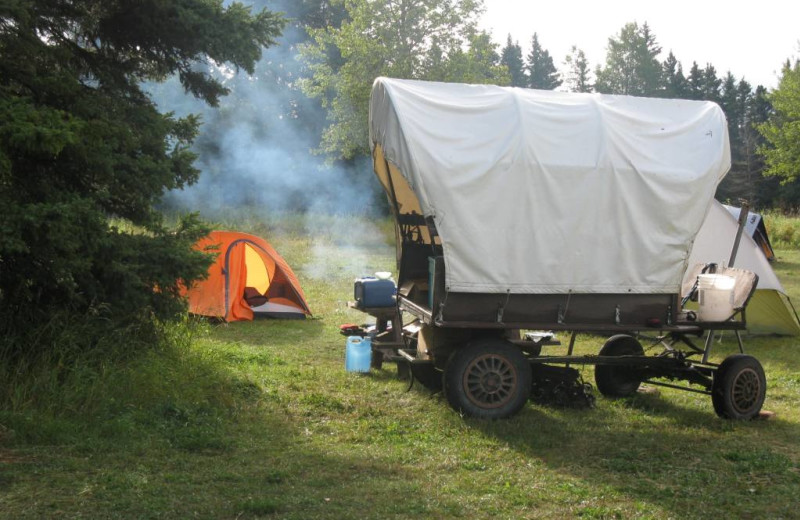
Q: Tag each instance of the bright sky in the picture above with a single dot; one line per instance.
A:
(750, 39)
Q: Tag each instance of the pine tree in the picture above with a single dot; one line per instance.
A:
(650, 67)
(83, 143)
(729, 101)
(511, 57)
(711, 84)
(675, 85)
(695, 82)
(542, 74)
(739, 182)
(578, 75)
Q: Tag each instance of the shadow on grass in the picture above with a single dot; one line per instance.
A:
(682, 459)
(205, 440)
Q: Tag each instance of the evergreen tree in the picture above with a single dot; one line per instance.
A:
(711, 84)
(578, 75)
(695, 82)
(81, 142)
(631, 65)
(511, 57)
(729, 101)
(675, 85)
(542, 74)
(755, 109)
(739, 183)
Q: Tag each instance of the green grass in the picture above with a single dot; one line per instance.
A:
(260, 420)
(784, 231)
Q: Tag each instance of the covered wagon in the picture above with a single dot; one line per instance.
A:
(523, 210)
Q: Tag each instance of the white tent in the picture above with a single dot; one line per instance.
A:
(754, 227)
(769, 311)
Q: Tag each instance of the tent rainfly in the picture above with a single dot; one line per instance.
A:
(770, 311)
(248, 279)
(754, 226)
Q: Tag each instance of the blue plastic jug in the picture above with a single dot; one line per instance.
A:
(358, 354)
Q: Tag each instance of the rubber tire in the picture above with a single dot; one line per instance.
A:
(738, 373)
(504, 358)
(618, 381)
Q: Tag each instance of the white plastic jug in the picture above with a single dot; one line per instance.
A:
(715, 297)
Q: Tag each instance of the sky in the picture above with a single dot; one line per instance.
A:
(752, 41)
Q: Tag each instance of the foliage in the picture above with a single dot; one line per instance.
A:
(744, 110)
(675, 84)
(511, 57)
(631, 66)
(411, 39)
(730, 103)
(542, 74)
(578, 73)
(695, 82)
(782, 132)
(711, 84)
(480, 63)
(784, 231)
(81, 142)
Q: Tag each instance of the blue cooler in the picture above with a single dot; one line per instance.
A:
(374, 292)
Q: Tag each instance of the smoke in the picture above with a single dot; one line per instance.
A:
(257, 149)
(275, 173)
(256, 158)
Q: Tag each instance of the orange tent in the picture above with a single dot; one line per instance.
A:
(249, 278)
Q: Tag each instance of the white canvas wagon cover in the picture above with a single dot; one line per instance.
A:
(551, 192)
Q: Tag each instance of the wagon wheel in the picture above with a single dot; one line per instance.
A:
(619, 381)
(739, 387)
(489, 379)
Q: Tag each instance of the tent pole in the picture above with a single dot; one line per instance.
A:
(742, 220)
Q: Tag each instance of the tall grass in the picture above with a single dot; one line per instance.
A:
(89, 380)
(783, 230)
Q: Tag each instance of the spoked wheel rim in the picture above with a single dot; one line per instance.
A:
(746, 390)
(490, 381)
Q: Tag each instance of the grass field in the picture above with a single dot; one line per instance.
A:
(260, 420)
